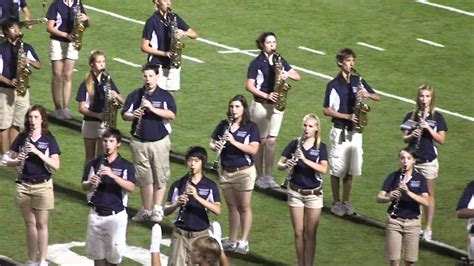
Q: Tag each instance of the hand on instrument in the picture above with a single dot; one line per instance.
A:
(22, 156)
(228, 137)
(82, 17)
(169, 54)
(180, 33)
(403, 187)
(395, 194)
(29, 147)
(146, 104)
(191, 191)
(416, 133)
(424, 124)
(219, 144)
(291, 163)
(284, 75)
(362, 94)
(94, 180)
(105, 170)
(272, 96)
(299, 154)
(183, 198)
(13, 82)
(353, 118)
(137, 113)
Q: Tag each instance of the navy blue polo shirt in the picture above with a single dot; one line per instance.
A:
(231, 156)
(341, 96)
(11, 9)
(261, 70)
(467, 197)
(109, 195)
(98, 104)
(35, 168)
(63, 17)
(427, 149)
(153, 127)
(157, 30)
(408, 208)
(303, 175)
(194, 215)
(8, 59)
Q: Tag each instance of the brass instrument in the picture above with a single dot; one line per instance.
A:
(22, 70)
(287, 180)
(138, 126)
(215, 165)
(182, 208)
(397, 201)
(360, 108)
(78, 27)
(27, 23)
(421, 117)
(280, 86)
(21, 166)
(176, 46)
(111, 105)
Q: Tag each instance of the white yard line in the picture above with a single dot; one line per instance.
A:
(194, 59)
(235, 52)
(371, 46)
(311, 50)
(120, 60)
(460, 11)
(429, 42)
(311, 72)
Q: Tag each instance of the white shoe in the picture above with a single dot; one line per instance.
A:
(157, 215)
(229, 245)
(67, 113)
(266, 182)
(338, 209)
(156, 236)
(271, 182)
(43, 263)
(31, 263)
(59, 114)
(242, 247)
(427, 234)
(142, 215)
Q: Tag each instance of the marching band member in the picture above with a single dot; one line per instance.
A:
(431, 129)
(237, 140)
(465, 210)
(110, 177)
(207, 252)
(151, 109)
(10, 9)
(406, 190)
(156, 39)
(62, 52)
(345, 155)
(307, 157)
(192, 195)
(36, 152)
(260, 82)
(13, 106)
(91, 96)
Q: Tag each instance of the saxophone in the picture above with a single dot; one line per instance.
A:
(299, 143)
(22, 70)
(111, 105)
(176, 46)
(21, 166)
(78, 28)
(280, 86)
(360, 108)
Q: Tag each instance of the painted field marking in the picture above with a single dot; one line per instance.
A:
(232, 51)
(429, 42)
(194, 59)
(120, 60)
(460, 11)
(311, 72)
(371, 46)
(311, 50)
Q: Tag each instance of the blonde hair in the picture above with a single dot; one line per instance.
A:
(209, 248)
(421, 88)
(317, 136)
(90, 75)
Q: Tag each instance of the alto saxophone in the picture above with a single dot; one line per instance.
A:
(78, 28)
(219, 151)
(22, 70)
(112, 105)
(176, 46)
(287, 180)
(21, 166)
(360, 108)
(280, 86)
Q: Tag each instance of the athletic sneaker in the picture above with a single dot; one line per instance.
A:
(242, 247)
(67, 113)
(348, 208)
(59, 114)
(229, 245)
(142, 215)
(157, 215)
(43, 263)
(31, 263)
(266, 182)
(338, 209)
(156, 236)
(427, 234)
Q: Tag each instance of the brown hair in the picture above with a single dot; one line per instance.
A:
(44, 117)
(209, 248)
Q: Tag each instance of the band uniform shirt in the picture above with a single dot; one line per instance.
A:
(304, 176)
(195, 217)
(109, 195)
(407, 208)
(8, 59)
(153, 127)
(10, 9)
(341, 96)
(427, 149)
(261, 69)
(157, 30)
(34, 167)
(98, 104)
(231, 156)
(63, 17)
(467, 201)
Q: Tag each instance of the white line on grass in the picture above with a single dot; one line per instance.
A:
(429, 42)
(120, 60)
(194, 59)
(371, 46)
(232, 51)
(311, 50)
(460, 11)
(237, 50)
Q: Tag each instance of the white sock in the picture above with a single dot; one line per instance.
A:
(155, 238)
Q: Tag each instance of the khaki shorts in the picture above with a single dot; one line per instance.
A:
(92, 129)
(13, 108)
(345, 158)
(267, 118)
(62, 50)
(181, 246)
(402, 234)
(152, 161)
(428, 170)
(243, 180)
(295, 199)
(169, 79)
(38, 196)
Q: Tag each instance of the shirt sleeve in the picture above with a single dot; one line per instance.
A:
(289, 149)
(17, 142)
(326, 102)
(128, 105)
(131, 173)
(52, 11)
(252, 70)
(466, 196)
(407, 116)
(254, 133)
(87, 170)
(286, 66)
(148, 29)
(323, 152)
(31, 53)
(114, 87)
(182, 24)
(440, 122)
(218, 131)
(367, 87)
(170, 103)
(81, 95)
(53, 146)
(215, 192)
(387, 184)
(23, 4)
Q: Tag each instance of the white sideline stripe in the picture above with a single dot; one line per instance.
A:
(430, 42)
(194, 59)
(231, 52)
(311, 50)
(120, 60)
(371, 46)
(230, 48)
(460, 11)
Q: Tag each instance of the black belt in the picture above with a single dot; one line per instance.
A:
(233, 170)
(105, 212)
(418, 161)
(261, 100)
(34, 181)
(306, 192)
(348, 128)
(191, 234)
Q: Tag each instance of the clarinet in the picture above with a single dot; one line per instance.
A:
(397, 201)
(103, 160)
(138, 126)
(21, 166)
(219, 151)
(182, 208)
(285, 183)
(421, 114)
